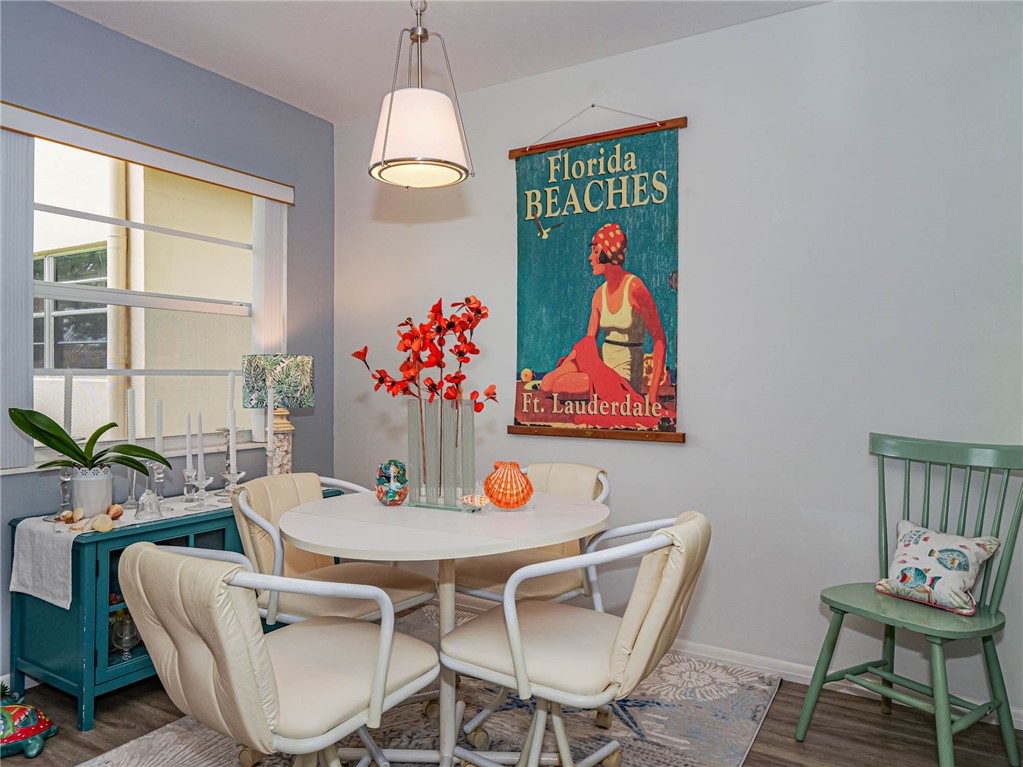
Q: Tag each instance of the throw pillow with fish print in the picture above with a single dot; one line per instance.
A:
(936, 569)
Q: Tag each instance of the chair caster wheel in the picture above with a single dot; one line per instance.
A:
(614, 760)
(479, 739)
(431, 709)
(603, 721)
(248, 757)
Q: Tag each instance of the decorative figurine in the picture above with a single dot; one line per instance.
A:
(24, 729)
(507, 487)
(392, 483)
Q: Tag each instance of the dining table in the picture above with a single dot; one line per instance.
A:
(357, 526)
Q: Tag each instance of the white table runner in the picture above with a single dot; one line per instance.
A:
(42, 550)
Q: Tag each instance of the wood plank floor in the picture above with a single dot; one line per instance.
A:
(847, 731)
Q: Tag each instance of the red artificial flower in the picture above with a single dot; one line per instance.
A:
(491, 392)
(382, 379)
(361, 354)
(433, 387)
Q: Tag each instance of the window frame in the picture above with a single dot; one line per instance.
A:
(271, 201)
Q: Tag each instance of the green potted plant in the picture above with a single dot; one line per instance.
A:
(92, 482)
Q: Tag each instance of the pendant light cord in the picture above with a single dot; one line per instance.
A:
(584, 109)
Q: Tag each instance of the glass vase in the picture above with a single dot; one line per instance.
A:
(442, 452)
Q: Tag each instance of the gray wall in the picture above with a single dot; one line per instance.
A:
(850, 261)
(56, 62)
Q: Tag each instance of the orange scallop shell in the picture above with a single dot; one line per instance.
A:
(507, 487)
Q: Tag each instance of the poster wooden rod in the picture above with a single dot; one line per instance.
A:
(633, 436)
(635, 130)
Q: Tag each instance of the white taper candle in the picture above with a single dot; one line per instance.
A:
(232, 440)
(158, 418)
(188, 441)
(67, 402)
(131, 416)
(230, 391)
(200, 455)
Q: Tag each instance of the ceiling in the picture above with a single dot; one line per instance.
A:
(335, 59)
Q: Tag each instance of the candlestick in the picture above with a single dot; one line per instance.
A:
(131, 416)
(200, 455)
(67, 402)
(188, 442)
(230, 391)
(158, 417)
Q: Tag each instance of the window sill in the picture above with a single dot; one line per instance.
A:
(168, 453)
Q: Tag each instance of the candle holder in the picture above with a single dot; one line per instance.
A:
(230, 482)
(189, 490)
(157, 471)
(201, 483)
(130, 502)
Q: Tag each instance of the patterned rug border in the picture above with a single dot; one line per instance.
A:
(692, 711)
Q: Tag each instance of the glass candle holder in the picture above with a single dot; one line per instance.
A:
(201, 483)
(190, 477)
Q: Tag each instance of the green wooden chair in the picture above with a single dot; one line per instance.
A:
(999, 501)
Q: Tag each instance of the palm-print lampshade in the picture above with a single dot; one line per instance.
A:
(290, 375)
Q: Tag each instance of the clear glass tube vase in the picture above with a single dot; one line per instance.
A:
(441, 452)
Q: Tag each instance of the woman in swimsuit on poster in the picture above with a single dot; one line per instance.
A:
(625, 311)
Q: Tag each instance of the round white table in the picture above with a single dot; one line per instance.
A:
(357, 526)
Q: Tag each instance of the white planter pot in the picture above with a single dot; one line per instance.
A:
(92, 490)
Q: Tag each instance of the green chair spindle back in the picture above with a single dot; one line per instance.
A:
(982, 477)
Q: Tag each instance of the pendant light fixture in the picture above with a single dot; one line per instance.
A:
(420, 139)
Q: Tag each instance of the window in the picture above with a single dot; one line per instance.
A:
(68, 334)
(156, 275)
(104, 223)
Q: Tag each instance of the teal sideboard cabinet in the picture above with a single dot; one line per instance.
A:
(71, 649)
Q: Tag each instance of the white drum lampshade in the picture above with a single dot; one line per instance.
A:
(424, 144)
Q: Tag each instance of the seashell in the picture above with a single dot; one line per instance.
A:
(474, 501)
(507, 487)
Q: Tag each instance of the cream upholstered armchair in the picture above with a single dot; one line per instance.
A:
(484, 577)
(523, 644)
(258, 507)
(297, 690)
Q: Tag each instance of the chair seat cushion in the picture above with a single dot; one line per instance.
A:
(401, 586)
(490, 574)
(566, 648)
(324, 671)
(861, 599)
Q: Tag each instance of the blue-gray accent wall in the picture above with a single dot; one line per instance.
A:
(59, 63)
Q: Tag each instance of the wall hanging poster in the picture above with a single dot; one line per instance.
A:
(598, 285)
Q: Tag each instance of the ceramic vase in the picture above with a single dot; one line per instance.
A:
(442, 452)
(92, 490)
(392, 483)
(508, 487)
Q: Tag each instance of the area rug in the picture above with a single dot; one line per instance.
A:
(690, 712)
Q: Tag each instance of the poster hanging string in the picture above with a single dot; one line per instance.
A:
(584, 109)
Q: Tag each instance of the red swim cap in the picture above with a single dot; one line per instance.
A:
(610, 240)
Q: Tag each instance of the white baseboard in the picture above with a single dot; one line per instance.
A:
(791, 672)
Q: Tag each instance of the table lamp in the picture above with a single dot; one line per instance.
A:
(277, 382)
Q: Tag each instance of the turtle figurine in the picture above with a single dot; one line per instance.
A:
(24, 729)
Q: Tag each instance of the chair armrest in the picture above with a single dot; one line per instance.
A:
(626, 530)
(343, 485)
(605, 488)
(215, 554)
(591, 559)
(275, 537)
